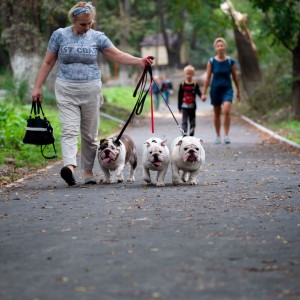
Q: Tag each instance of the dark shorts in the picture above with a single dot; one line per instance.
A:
(219, 95)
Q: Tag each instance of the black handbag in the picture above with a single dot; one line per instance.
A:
(39, 130)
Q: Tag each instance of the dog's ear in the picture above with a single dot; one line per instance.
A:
(103, 143)
(163, 143)
(201, 141)
(179, 143)
(147, 144)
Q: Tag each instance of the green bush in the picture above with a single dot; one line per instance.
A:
(12, 129)
(16, 90)
(273, 93)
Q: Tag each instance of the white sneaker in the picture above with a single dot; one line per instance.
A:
(218, 140)
(226, 139)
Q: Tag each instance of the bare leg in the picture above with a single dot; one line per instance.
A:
(88, 174)
(71, 167)
(217, 119)
(226, 111)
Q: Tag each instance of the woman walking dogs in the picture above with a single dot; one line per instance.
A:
(221, 92)
(78, 85)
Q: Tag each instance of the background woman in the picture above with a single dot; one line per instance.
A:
(221, 91)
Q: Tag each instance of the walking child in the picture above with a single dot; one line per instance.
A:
(187, 92)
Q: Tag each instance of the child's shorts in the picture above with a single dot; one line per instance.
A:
(219, 95)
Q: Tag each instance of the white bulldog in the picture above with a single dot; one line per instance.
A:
(156, 157)
(114, 157)
(187, 155)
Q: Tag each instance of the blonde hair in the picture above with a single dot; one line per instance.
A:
(220, 39)
(90, 9)
(189, 68)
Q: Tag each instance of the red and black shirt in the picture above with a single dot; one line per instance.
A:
(187, 95)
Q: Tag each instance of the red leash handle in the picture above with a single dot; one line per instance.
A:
(151, 103)
(151, 93)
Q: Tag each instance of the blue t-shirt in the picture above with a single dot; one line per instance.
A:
(221, 71)
(77, 54)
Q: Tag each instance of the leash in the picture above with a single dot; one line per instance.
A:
(180, 129)
(139, 105)
(151, 108)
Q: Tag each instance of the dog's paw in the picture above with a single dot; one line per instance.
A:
(192, 182)
(130, 180)
(104, 180)
(185, 177)
(160, 184)
(147, 179)
(176, 179)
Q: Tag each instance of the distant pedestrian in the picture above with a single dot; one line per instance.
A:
(166, 88)
(221, 92)
(187, 92)
(156, 92)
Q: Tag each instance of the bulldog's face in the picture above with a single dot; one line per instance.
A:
(156, 151)
(190, 149)
(108, 151)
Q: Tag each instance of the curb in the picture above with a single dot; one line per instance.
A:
(271, 133)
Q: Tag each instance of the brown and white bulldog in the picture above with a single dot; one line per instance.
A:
(114, 158)
(187, 155)
(156, 157)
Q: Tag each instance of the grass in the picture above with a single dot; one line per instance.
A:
(288, 129)
(120, 96)
(18, 159)
(278, 120)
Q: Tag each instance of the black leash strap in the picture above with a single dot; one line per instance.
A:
(139, 105)
(180, 129)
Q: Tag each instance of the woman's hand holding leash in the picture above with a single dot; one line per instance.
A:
(148, 60)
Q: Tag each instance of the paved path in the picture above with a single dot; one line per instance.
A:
(236, 235)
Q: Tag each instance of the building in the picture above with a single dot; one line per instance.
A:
(155, 45)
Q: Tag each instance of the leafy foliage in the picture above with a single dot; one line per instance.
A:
(282, 19)
(12, 129)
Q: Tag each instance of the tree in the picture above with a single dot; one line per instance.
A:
(26, 27)
(21, 34)
(282, 21)
(247, 55)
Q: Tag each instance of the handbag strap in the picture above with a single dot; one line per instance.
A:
(48, 157)
(39, 107)
(33, 108)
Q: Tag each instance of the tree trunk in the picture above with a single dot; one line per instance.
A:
(250, 70)
(25, 68)
(173, 50)
(296, 81)
(124, 6)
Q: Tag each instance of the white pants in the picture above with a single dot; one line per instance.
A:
(79, 108)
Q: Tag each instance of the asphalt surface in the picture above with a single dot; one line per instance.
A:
(235, 235)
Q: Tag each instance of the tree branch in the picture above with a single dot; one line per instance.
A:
(275, 33)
